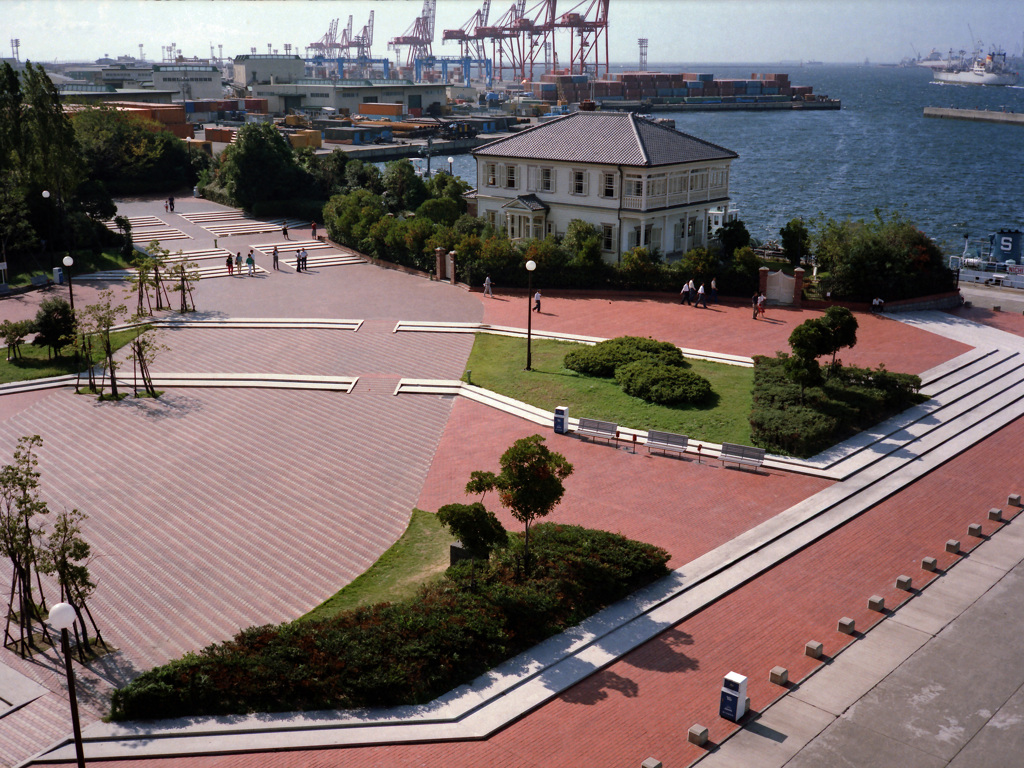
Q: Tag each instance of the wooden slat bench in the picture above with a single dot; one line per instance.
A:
(741, 455)
(666, 441)
(598, 429)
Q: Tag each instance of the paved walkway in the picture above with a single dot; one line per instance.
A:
(692, 509)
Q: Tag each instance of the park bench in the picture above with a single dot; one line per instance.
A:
(5, 289)
(598, 429)
(741, 455)
(666, 441)
(41, 281)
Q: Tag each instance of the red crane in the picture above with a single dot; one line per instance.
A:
(587, 28)
(327, 46)
(522, 34)
(469, 36)
(419, 37)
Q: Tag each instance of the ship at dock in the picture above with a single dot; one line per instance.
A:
(977, 69)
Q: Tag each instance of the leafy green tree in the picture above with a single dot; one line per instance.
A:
(477, 529)
(144, 349)
(698, 264)
(13, 332)
(360, 175)
(101, 317)
(444, 186)
(19, 535)
(403, 189)
(841, 326)
(12, 120)
(260, 165)
(440, 210)
(529, 485)
(55, 325)
(348, 217)
(796, 242)
(16, 231)
(582, 241)
(732, 235)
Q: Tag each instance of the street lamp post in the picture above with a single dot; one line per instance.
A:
(62, 617)
(451, 164)
(68, 262)
(49, 227)
(530, 266)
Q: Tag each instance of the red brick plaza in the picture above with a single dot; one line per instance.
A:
(215, 509)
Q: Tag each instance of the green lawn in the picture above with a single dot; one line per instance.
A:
(36, 364)
(26, 267)
(416, 558)
(497, 363)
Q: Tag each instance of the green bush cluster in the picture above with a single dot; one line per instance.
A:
(404, 653)
(656, 382)
(651, 370)
(850, 400)
(603, 358)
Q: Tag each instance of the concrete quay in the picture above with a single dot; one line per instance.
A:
(977, 115)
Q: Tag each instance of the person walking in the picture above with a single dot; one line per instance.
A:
(275, 255)
(250, 262)
(536, 302)
(284, 230)
(298, 261)
(313, 228)
(167, 205)
(238, 263)
(753, 302)
(685, 294)
(487, 287)
(701, 298)
(761, 301)
(714, 291)
(170, 202)
(692, 292)
(230, 264)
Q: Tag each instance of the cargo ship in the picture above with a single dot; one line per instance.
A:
(977, 70)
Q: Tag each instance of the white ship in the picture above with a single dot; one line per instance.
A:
(977, 70)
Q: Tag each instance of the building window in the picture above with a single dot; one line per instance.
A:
(677, 184)
(510, 177)
(699, 180)
(634, 186)
(718, 177)
(546, 180)
(492, 218)
(579, 182)
(491, 173)
(656, 185)
(608, 185)
(607, 237)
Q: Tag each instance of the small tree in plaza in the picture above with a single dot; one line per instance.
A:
(144, 349)
(13, 333)
(147, 265)
(55, 325)
(529, 485)
(19, 536)
(182, 276)
(796, 242)
(101, 318)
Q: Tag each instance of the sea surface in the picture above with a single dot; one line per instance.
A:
(951, 177)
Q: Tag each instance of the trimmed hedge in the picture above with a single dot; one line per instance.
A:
(655, 382)
(404, 653)
(603, 358)
(850, 400)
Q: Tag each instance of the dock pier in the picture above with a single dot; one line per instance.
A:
(977, 115)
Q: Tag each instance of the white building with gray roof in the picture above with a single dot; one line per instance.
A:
(639, 183)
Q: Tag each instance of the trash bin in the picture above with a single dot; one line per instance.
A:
(734, 697)
(561, 420)
(58, 276)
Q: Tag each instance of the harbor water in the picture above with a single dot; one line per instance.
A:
(950, 177)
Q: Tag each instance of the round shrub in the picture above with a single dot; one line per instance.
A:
(656, 382)
(602, 359)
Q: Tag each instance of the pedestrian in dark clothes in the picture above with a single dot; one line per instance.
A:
(275, 255)
(753, 301)
(284, 231)
(231, 265)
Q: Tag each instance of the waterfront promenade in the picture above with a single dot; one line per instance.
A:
(214, 508)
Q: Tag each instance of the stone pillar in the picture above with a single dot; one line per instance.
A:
(798, 286)
(762, 280)
(451, 266)
(439, 266)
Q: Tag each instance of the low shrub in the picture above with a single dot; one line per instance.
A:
(655, 382)
(603, 358)
(409, 652)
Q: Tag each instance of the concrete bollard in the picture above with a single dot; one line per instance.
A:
(995, 515)
(929, 564)
(697, 734)
(847, 625)
(974, 530)
(813, 649)
(953, 546)
(905, 583)
(779, 676)
(876, 603)
(997, 308)
(651, 762)
(1013, 500)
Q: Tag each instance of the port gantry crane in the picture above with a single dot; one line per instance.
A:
(472, 44)
(419, 37)
(587, 26)
(330, 54)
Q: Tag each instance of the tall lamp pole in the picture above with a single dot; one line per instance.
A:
(68, 262)
(49, 226)
(530, 266)
(62, 617)
(451, 165)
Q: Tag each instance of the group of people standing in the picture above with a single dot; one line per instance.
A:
(697, 295)
(236, 263)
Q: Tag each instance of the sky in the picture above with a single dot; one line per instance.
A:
(679, 31)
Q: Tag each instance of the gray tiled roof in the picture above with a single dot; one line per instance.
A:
(530, 202)
(605, 138)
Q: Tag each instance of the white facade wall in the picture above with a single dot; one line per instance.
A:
(347, 97)
(665, 207)
(192, 83)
